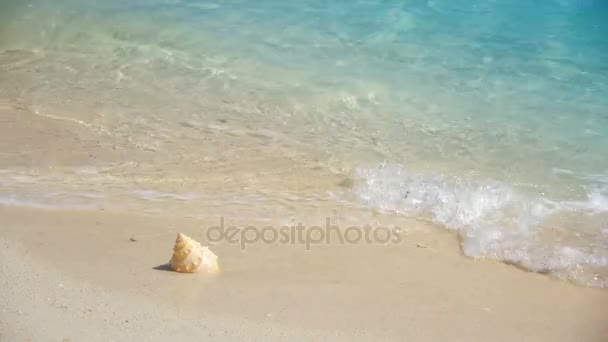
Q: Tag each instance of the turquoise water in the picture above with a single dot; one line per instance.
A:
(489, 118)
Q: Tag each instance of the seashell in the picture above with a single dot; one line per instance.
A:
(190, 257)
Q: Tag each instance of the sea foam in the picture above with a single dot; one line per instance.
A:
(497, 221)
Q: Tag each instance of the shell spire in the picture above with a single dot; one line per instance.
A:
(189, 256)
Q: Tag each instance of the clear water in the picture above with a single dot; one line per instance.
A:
(489, 118)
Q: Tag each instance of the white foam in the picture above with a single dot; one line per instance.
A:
(42, 203)
(497, 221)
(157, 195)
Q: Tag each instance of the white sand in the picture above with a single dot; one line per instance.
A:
(76, 275)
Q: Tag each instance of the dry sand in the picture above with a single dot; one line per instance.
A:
(78, 275)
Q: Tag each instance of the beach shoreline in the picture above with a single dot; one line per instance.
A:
(410, 170)
(72, 270)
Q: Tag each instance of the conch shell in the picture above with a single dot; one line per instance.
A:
(190, 257)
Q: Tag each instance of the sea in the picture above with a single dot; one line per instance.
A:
(488, 118)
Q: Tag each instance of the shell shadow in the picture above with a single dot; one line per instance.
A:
(163, 267)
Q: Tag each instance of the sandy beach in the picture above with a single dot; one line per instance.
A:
(479, 148)
(101, 274)
(79, 275)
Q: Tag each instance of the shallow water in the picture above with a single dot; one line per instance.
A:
(489, 118)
